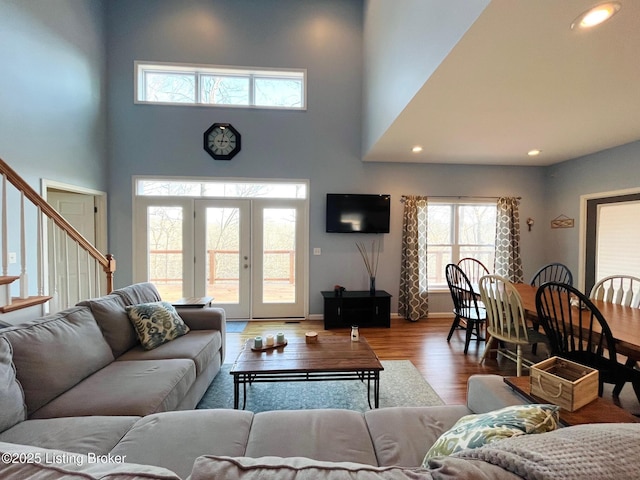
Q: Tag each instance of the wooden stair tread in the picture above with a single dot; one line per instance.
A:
(19, 303)
(7, 279)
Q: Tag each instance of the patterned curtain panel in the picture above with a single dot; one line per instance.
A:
(508, 262)
(413, 302)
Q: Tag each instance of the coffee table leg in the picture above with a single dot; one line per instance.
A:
(236, 391)
(244, 393)
(376, 387)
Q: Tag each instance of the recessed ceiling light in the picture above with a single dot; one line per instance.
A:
(534, 153)
(596, 15)
(416, 149)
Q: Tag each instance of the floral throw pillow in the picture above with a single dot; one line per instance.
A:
(473, 431)
(156, 323)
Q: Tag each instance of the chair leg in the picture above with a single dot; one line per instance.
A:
(467, 339)
(487, 349)
(518, 360)
(618, 388)
(456, 322)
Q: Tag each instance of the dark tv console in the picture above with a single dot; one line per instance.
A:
(357, 307)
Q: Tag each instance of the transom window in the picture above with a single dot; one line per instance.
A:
(458, 230)
(170, 83)
(221, 188)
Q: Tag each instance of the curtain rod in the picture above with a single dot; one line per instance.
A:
(461, 196)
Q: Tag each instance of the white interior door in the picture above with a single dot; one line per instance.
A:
(72, 272)
(223, 255)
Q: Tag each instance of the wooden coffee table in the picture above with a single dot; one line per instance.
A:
(331, 358)
(600, 410)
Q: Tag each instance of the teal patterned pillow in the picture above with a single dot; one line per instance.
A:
(473, 431)
(156, 323)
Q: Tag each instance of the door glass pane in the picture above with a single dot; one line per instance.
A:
(165, 250)
(223, 254)
(279, 255)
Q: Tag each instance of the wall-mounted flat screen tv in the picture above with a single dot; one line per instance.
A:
(358, 213)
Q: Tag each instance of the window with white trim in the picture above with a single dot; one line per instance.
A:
(210, 85)
(458, 230)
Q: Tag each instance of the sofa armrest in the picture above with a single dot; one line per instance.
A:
(205, 318)
(489, 392)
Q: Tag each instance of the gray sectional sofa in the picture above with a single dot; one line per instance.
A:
(81, 399)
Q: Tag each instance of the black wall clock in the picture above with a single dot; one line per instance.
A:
(222, 141)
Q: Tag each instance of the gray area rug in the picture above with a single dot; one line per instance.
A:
(236, 327)
(401, 384)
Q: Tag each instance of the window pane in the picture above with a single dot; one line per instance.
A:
(279, 255)
(169, 87)
(437, 259)
(223, 253)
(477, 224)
(224, 90)
(221, 189)
(165, 250)
(278, 92)
(483, 254)
(439, 224)
(617, 240)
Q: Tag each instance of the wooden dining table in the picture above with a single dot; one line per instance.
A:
(623, 321)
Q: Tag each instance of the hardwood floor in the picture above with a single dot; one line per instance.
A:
(442, 364)
(424, 343)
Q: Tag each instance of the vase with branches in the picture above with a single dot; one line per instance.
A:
(370, 262)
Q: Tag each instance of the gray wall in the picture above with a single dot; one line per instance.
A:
(52, 104)
(52, 91)
(404, 42)
(606, 171)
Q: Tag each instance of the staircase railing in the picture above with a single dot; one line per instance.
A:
(84, 272)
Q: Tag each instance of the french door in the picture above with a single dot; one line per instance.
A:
(248, 254)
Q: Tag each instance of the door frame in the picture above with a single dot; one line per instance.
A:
(582, 248)
(100, 201)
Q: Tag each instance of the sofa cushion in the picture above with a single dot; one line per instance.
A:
(137, 388)
(92, 434)
(328, 435)
(401, 435)
(153, 439)
(200, 346)
(45, 464)
(144, 292)
(473, 431)
(53, 353)
(296, 468)
(156, 323)
(12, 407)
(114, 322)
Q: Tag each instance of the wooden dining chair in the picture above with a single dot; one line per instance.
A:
(577, 331)
(506, 321)
(553, 272)
(473, 269)
(620, 290)
(466, 306)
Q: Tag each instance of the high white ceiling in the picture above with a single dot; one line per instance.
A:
(519, 79)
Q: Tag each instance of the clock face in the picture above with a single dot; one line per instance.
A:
(222, 141)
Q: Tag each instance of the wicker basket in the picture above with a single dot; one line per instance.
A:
(564, 383)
